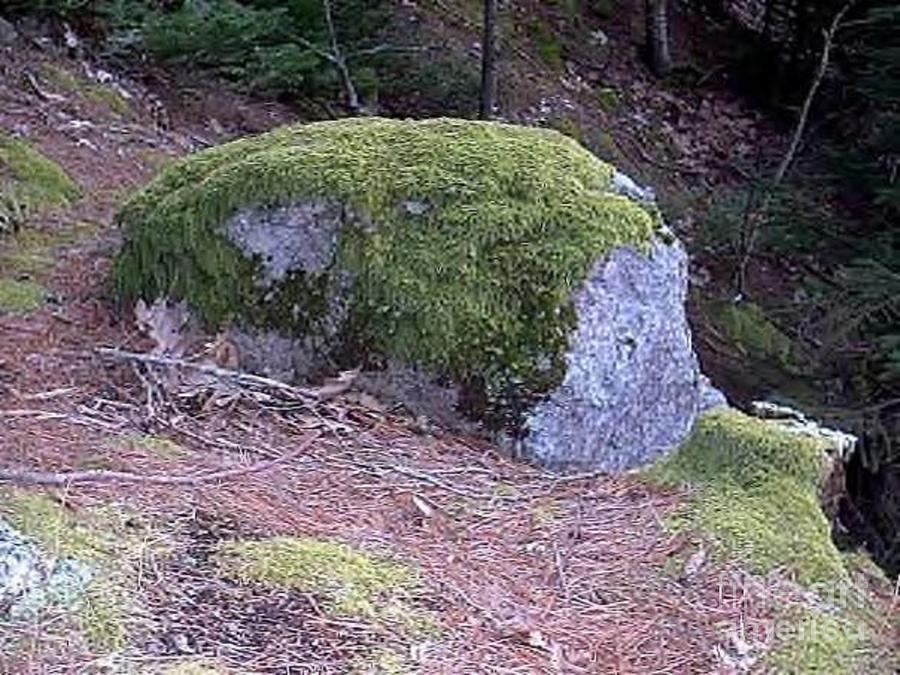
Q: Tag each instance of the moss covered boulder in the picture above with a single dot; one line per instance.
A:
(506, 261)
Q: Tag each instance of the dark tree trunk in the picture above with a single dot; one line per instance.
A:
(489, 61)
(659, 55)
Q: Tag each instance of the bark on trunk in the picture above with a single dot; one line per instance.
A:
(657, 28)
(489, 61)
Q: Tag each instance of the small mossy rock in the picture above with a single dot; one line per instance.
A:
(757, 493)
(31, 580)
(29, 182)
(504, 259)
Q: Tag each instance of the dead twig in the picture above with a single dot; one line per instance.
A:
(81, 420)
(65, 478)
(237, 376)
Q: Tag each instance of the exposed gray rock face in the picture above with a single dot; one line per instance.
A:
(625, 186)
(275, 356)
(633, 387)
(8, 33)
(300, 236)
(30, 580)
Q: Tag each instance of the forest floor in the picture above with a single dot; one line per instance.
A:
(515, 570)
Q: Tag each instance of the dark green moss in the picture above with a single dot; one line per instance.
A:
(475, 284)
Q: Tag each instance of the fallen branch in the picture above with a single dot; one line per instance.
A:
(64, 478)
(82, 420)
(208, 369)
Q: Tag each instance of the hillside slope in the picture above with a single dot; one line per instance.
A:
(374, 543)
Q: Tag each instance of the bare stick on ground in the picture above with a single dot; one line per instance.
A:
(63, 478)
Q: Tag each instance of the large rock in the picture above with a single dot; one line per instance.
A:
(506, 263)
(632, 385)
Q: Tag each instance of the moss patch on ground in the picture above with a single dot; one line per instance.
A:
(27, 259)
(31, 252)
(191, 667)
(355, 583)
(464, 240)
(158, 446)
(98, 539)
(19, 297)
(105, 95)
(29, 182)
(757, 494)
(756, 500)
(816, 641)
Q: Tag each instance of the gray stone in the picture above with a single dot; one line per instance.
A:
(31, 580)
(276, 356)
(710, 396)
(8, 33)
(625, 186)
(298, 237)
(632, 387)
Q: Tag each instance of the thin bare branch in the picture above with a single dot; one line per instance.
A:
(209, 369)
(63, 478)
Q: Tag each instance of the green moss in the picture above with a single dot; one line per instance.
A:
(757, 495)
(92, 91)
(29, 182)
(164, 448)
(384, 661)
(20, 297)
(31, 252)
(607, 97)
(750, 331)
(192, 667)
(756, 502)
(109, 97)
(96, 538)
(813, 641)
(547, 44)
(477, 287)
(354, 582)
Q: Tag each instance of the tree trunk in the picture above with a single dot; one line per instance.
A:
(657, 36)
(489, 61)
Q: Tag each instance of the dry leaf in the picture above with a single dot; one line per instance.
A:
(335, 386)
(168, 324)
